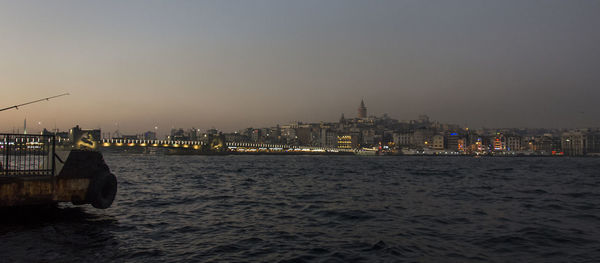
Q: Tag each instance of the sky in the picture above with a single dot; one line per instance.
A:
(136, 65)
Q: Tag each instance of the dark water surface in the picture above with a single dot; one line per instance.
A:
(325, 208)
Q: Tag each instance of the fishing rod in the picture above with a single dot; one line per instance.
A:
(31, 102)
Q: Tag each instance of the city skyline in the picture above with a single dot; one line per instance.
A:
(360, 113)
(376, 135)
(137, 65)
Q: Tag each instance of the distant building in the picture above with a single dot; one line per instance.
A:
(235, 137)
(452, 143)
(178, 135)
(344, 141)
(256, 135)
(403, 139)
(150, 135)
(343, 119)
(362, 110)
(592, 142)
(545, 145)
(513, 143)
(422, 138)
(499, 142)
(438, 142)
(368, 137)
(329, 138)
(573, 143)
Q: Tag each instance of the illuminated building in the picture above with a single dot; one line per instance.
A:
(499, 142)
(344, 142)
(461, 145)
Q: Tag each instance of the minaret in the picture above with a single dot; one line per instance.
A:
(362, 110)
(25, 126)
(342, 119)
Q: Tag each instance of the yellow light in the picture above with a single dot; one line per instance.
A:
(143, 144)
(176, 145)
(106, 144)
(196, 147)
(165, 145)
(131, 144)
(119, 144)
(185, 146)
(155, 145)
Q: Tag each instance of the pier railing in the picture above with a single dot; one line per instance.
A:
(27, 155)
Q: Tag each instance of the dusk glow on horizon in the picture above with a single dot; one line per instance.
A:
(139, 66)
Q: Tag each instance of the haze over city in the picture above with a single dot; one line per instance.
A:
(139, 64)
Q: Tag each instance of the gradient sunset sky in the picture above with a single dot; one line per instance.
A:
(134, 65)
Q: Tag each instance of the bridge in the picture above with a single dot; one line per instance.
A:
(229, 146)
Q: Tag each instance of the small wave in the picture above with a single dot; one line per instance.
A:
(345, 215)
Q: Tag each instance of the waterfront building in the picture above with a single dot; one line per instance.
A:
(513, 143)
(329, 138)
(344, 141)
(452, 141)
(546, 144)
(499, 142)
(402, 139)
(422, 137)
(573, 143)
(438, 142)
(461, 145)
(308, 135)
(592, 143)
